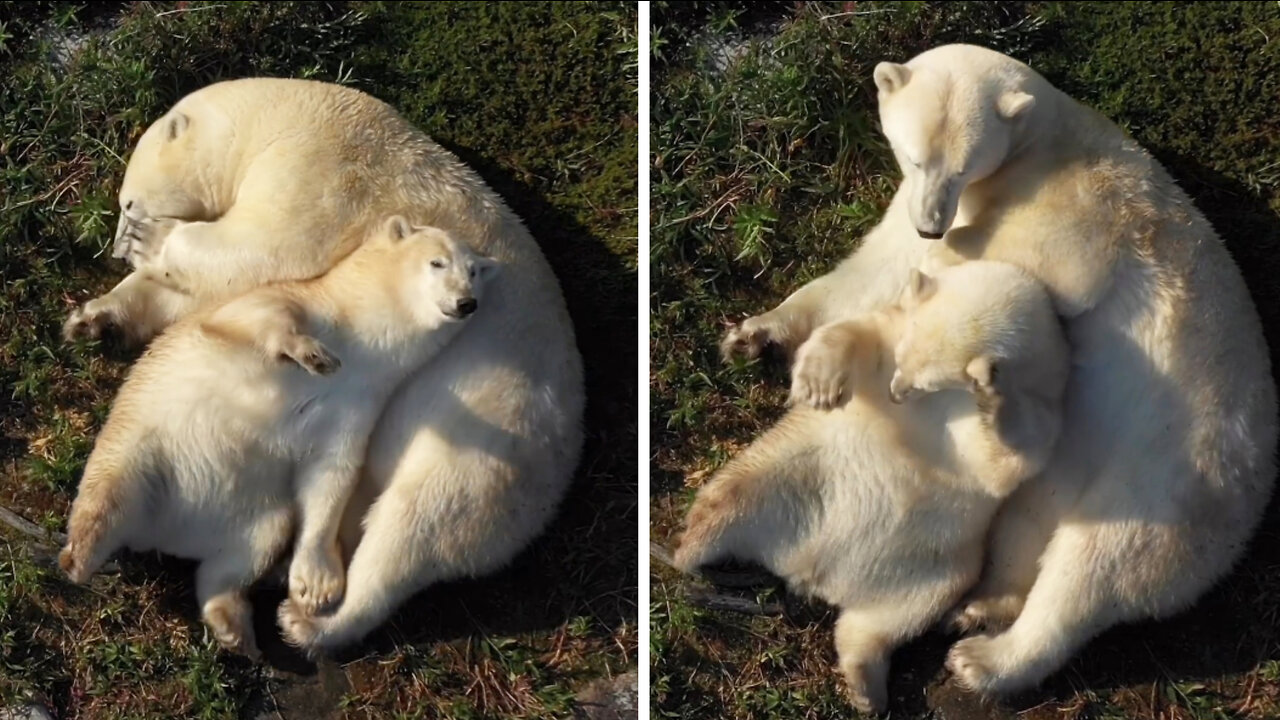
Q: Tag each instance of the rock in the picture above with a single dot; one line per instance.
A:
(26, 712)
(615, 698)
(949, 701)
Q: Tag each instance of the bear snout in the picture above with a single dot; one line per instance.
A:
(466, 306)
(900, 388)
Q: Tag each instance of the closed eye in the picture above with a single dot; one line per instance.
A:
(437, 263)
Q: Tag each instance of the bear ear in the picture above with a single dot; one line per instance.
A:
(398, 227)
(890, 77)
(1014, 104)
(982, 370)
(177, 125)
(919, 288)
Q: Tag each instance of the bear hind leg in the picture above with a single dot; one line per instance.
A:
(1093, 577)
(221, 581)
(389, 564)
(866, 636)
(758, 500)
(1019, 535)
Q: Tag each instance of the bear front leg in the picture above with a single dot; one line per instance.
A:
(273, 326)
(246, 248)
(317, 580)
(832, 361)
(139, 239)
(867, 281)
(325, 484)
(136, 310)
(784, 327)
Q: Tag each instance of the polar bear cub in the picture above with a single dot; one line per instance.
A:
(218, 441)
(881, 505)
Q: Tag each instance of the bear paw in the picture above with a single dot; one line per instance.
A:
(982, 614)
(867, 689)
(749, 339)
(92, 323)
(316, 580)
(231, 622)
(141, 238)
(979, 664)
(820, 377)
(73, 562)
(311, 356)
(300, 629)
(967, 619)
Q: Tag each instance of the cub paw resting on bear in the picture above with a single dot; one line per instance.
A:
(216, 438)
(881, 506)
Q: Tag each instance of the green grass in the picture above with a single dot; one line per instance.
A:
(541, 99)
(768, 165)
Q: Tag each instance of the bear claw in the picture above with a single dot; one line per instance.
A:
(313, 357)
(141, 238)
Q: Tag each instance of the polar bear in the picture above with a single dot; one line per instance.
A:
(1167, 453)
(251, 181)
(882, 505)
(213, 441)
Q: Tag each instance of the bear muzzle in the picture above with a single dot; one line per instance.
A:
(463, 308)
(900, 390)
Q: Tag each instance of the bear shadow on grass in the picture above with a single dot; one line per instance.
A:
(584, 564)
(1231, 629)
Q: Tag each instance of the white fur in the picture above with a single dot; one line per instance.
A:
(881, 508)
(1167, 454)
(215, 437)
(256, 180)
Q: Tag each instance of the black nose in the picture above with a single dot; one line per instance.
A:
(466, 306)
(929, 235)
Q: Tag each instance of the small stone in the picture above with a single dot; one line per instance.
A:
(949, 701)
(610, 699)
(26, 712)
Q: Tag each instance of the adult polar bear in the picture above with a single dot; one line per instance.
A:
(250, 181)
(1167, 454)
